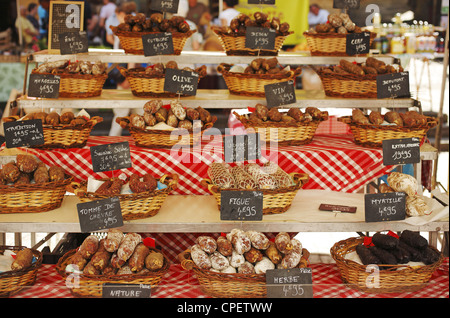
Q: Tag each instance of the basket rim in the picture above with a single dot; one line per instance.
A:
(131, 34)
(61, 265)
(37, 254)
(35, 186)
(170, 180)
(73, 75)
(139, 72)
(271, 124)
(289, 75)
(353, 241)
(300, 179)
(343, 77)
(89, 124)
(431, 122)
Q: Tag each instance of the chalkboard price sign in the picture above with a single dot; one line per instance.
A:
(24, 133)
(165, 5)
(280, 94)
(346, 4)
(289, 283)
(111, 157)
(261, 1)
(181, 82)
(357, 43)
(158, 44)
(242, 205)
(73, 42)
(111, 290)
(100, 214)
(257, 38)
(393, 85)
(401, 151)
(44, 85)
(238, 148)
(385, 206)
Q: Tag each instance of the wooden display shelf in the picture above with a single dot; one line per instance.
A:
(212, 99)
(199, 57)
(191, 214)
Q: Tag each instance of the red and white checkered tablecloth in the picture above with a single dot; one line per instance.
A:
(333, 162)
(180, 283)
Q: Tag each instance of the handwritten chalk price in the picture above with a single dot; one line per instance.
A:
(257, 38)
(158, 44)
(401, 151)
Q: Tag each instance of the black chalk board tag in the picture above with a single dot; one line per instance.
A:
(243, 205)
(158, 44)
(289, 283)
(181, 82)
(112, 290)
(238, 148)
(346, 4)
(401, 151)
(393, 85)
(24, 133)
(385, 206)
(73, 42)
(100, 214)
(111, 157)
(165, 5)
(357, 43)
(257, 38)
(43, 85)
(279, 94)
(261, 1)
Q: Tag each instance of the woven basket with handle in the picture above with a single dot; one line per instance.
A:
(390, 278)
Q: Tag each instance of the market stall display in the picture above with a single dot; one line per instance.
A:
(140, 196)
(77, 79)
(120, 258)
(131, 31)
(67, 130)
(28, 185)
(234, 265)
(24, 266)
(370, 130)
(233, 37)
(250, 81)
(392, 256)
(293, 127)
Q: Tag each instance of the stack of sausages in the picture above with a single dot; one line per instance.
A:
(407, 119)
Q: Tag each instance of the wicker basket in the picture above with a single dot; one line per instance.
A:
(222, 285)
(12, 282)
(90, 286)
(131, 42)
(274, 201)
(32, 198)
(282, 133)
(65, 136)
(79, 85)
(330, 44)
(234, 44)
(137, 205)
(253, 84)
(348, 85)
(372, 136)
(391, 279)
(146, 85)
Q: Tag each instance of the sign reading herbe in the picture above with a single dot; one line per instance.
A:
(289, 283)
(257, 38)
(165, 5)
(73, 42)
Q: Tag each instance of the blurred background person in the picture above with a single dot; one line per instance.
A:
(317, 15)
(229, 12)
(199, 14)
(107, 10)
(26, 28)
(32, 14)
(43, 14)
